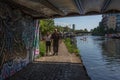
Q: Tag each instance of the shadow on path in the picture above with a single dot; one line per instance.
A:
(51, 71)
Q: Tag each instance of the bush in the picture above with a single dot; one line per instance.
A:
(71, 47)
(42, 48)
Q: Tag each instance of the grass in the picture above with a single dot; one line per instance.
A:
(42, 49)
(71, 47)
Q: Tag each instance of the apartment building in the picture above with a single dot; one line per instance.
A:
(111, 21)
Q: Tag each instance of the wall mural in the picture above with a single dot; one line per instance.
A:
(17, 33)
(36, 40)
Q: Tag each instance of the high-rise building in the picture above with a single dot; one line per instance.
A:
(111, 21)
(73, 27)
(104, 20)
(118, 22)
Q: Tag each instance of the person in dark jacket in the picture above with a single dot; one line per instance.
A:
(55, 39)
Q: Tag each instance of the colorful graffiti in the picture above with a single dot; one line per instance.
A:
(17, 34)
(36, 40)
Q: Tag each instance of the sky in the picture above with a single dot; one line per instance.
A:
(81, 22)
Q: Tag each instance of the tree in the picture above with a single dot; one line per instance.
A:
(91, 30)
(111, 30)
(100, 30)
(46, 25)
(85, 30)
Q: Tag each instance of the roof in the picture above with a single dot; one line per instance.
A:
(63, 8)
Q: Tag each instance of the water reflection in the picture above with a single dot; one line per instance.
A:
(101, 57)
(111, 48)
(111, 53)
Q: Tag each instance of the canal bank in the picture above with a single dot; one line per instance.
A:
(64, 66)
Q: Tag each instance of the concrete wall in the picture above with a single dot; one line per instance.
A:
(17, 40)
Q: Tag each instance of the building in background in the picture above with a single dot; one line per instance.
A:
(104, 20)
(73, 27)
(111, 21)
(118, 22)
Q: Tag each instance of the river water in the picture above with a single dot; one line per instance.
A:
(101, 57)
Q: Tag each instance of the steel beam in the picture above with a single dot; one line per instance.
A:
(79, 6)
(106, 3)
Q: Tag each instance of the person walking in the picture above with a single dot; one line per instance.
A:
(55, 40)
(48, 43)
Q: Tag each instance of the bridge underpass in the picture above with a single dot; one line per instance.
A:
(19, 29)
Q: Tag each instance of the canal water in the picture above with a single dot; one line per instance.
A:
(101, 57)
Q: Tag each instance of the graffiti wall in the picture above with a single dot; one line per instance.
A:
(17, 39)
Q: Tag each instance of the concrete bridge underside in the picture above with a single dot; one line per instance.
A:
(19, 29)
(64, 8)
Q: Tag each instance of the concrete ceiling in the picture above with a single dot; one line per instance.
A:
(63, 8)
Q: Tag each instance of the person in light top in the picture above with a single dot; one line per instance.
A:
(48, 43)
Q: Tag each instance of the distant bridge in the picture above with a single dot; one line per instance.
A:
(82, 33)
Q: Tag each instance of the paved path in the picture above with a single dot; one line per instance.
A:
(64, 66)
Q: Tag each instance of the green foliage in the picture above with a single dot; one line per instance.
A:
(71, 47)
(85, 30)
(60, 28)
(42, 48)
(99, 31)
(46, 25)
(111, 31)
